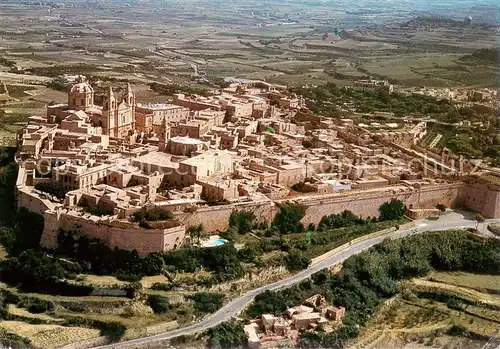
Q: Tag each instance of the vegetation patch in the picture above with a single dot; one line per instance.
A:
(207, 302)
(372, 276)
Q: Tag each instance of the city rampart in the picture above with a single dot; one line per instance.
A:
(216, 218)
(124, 235)
(127, 235)
(33, 202)
(483, 199)
(366, 204)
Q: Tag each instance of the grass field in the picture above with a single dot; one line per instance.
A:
(439, 70)
(49, 336)
(468, 280)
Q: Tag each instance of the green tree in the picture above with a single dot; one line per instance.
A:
(295, 260)
(160, 304)
(267, 302)
(55, 189)
(287, 220)
(195, 232)
(242, 221)
(228, 335)
(344, 219)
(153, 264)
(479, 219)
(392, 210)
(207, 302)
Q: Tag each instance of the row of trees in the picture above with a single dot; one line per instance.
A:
(288, 219)
(96, 256)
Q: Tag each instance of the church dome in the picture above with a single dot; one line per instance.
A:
(82, 87)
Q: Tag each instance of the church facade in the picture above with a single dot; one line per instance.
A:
(116, 116)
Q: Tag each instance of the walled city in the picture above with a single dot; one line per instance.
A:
(252, 146)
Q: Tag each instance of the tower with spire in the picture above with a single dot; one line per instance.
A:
(109, 113)
(164, 135)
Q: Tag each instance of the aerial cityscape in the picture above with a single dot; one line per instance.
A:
(251, 174)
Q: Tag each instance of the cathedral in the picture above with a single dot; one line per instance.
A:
(116, 116)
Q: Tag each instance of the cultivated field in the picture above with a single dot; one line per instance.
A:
(433, 311)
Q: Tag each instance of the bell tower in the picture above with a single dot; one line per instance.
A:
(109, 112)
(130, 99)
(164, 135)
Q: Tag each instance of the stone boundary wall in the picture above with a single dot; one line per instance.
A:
(479, 197)
(89, 343)
(109, 292)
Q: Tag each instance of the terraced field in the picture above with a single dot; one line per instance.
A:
(431, 307)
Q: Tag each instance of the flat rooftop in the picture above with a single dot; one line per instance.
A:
(159, 106)
(186, 140)
(157, 158)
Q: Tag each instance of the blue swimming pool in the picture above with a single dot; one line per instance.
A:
(214, 243)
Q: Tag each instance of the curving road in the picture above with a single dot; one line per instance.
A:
(233, 308)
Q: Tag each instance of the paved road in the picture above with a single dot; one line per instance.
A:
(454, 220)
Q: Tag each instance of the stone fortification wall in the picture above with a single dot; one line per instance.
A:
(32, 202)
(216, 218)
(482, 199)
(367, 204)
(362, 203)
(144, 241)
(479, 197)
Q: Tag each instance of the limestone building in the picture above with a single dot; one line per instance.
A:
(116, 117)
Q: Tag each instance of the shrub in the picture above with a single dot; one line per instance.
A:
(112, 330)
(392, 210)
(295, 260)
(457, 330)
(128, 277)
(344, 219)
(36, 305)
(227, 335)
(152, 216)
(249, 253)
(160, 304)
(158, 286)
(242, 221)
(441, 207)
(288, 218)
(207, 302)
